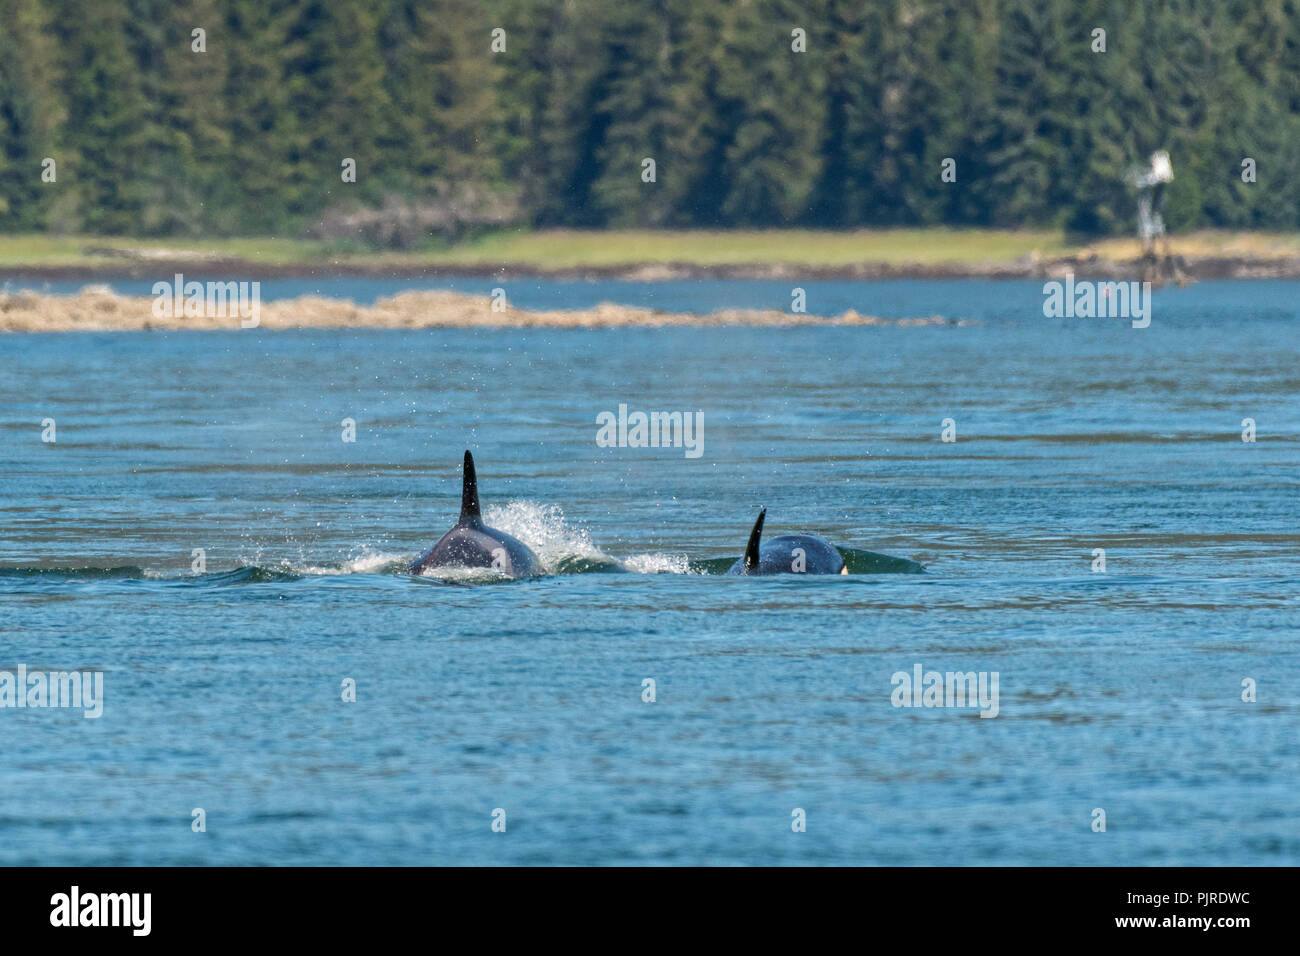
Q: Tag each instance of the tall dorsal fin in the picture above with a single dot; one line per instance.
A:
(751, 549)
(469, 510)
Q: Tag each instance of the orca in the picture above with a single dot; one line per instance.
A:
(788, 554)
(472, 544)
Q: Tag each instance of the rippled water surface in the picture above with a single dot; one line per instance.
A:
(1119, 690)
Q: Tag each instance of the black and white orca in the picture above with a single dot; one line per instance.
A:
(788, 554)
(472, 544)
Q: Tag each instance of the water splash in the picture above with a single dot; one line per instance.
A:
(658, 562)
(552, 537)
(565, 547)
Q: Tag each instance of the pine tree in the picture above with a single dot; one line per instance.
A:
(650, 108)
(190, 102)
(109, 133)
(153, 137)
(31, 111)
(774, 104)
(262, 180)
(1025, 141)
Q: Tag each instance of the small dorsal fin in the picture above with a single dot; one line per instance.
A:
(469, 510)
(751, 549)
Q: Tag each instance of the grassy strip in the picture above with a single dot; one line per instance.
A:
(572, 249)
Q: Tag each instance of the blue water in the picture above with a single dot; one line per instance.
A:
(980, 299)
(1119, 690)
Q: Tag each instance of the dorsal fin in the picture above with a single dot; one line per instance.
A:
(469, 510)
(751, 549)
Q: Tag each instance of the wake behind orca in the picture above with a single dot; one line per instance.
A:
(472, 544)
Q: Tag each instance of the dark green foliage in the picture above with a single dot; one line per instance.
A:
(249, 137)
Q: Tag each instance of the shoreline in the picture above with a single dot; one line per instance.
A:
(657, 255)
(1084, 267)
(101, 310)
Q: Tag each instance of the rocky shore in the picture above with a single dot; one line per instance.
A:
(97, 309)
